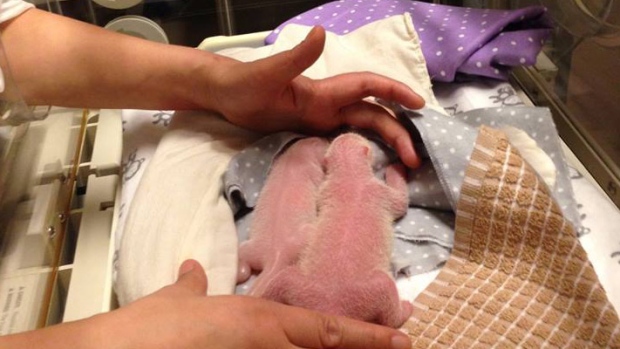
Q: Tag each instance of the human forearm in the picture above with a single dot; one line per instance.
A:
(83, 334)
(181, 316)
(60, 61)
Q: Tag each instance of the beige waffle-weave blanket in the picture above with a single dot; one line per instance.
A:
(517, 277)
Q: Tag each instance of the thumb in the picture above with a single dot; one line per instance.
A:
(192, 278)
(287, 65)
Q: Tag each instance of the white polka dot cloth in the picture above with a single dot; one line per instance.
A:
(454, 40)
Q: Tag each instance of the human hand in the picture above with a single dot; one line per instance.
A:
(181, 316)
(270, 95)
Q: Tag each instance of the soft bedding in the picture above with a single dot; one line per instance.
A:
(517, 276)
(424, 237)
(163, 229)
(165, 226)
(455, 41)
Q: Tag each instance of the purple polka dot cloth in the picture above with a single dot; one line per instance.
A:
(454, 40)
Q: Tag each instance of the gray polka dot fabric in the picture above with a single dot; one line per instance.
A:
(247, 172)
(448, 141)
(424, 237)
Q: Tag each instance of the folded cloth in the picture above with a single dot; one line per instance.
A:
(142, 131)
(598, 216)
(389, 47)
(449, 141)
(178, 211)
(518, 276)
(454, 40)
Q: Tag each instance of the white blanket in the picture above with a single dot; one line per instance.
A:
(178, 210)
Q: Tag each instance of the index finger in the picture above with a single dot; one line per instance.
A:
(314, 330)
(350, 88)
(374, 117)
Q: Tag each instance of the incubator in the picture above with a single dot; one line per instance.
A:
(61, 169)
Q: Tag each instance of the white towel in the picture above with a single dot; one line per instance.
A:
(179, 212)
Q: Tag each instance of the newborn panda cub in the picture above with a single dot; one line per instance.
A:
(345, 267)
(285, 210)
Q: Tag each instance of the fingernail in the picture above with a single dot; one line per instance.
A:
(401, 341)
(186, 267)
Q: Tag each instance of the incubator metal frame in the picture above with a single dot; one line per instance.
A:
(59, 186)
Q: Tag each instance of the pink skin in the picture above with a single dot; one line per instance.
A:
(285, 210)
(345, 268)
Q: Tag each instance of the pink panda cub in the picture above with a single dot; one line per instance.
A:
(285, 210)
(345, 267)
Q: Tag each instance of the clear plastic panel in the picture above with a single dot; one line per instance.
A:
(576, 77)
(182, 22)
